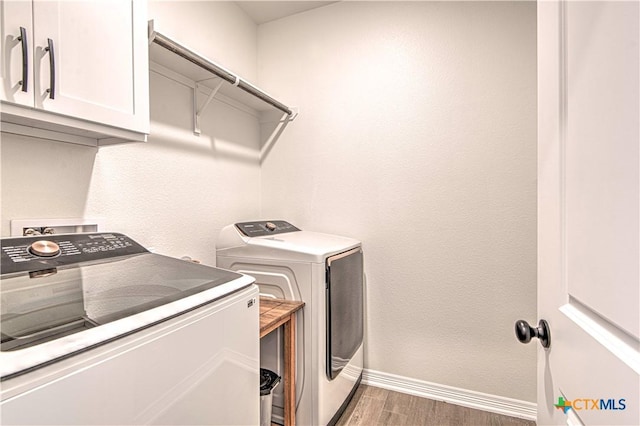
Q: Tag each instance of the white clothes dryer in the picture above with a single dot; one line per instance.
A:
(326, 272)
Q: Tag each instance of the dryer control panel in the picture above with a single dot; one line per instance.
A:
(265, 227)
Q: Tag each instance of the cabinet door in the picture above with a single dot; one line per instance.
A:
(13, 16)
(100, 67)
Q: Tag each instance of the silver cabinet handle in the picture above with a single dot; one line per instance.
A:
(52, 68)
(25, 59)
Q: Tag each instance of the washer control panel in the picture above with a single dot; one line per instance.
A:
(22, 254)
(265, 227)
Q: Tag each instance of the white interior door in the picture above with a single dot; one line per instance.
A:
(588, 212)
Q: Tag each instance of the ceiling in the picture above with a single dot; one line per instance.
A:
(266, 11)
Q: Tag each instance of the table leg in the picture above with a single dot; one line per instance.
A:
(290, 371)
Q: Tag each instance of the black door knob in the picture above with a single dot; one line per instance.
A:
(524, 332)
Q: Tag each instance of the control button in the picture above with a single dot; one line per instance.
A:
(44, 248)
(271, 226)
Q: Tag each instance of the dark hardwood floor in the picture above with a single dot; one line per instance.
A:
(376, 406)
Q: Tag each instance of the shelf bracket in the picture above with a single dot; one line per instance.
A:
(151, 32)
(294, 113)
(197, 112)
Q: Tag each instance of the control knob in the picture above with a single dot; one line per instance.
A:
(44, 248)
(271, 226)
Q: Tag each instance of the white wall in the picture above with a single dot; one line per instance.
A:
(174, 192)
(417, 135)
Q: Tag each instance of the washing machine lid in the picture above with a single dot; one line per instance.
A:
(292, 245)
(91, 289)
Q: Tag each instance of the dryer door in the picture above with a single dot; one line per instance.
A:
(345, 311)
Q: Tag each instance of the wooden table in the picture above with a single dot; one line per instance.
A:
(273, 314)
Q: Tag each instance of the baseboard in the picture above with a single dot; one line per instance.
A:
(466, 398)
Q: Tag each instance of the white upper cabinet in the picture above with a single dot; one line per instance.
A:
(17, 35)
(85, 64)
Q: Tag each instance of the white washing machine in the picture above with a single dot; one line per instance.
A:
(324, 271)
(96, 330)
